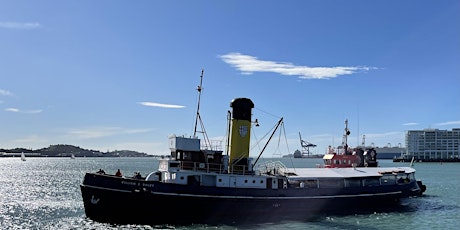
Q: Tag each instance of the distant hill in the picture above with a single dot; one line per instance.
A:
(67, 150)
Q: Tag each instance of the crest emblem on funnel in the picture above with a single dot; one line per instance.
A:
(243, 130)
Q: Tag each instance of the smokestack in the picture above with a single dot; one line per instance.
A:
(240, 131)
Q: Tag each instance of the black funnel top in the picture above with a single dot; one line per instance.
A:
(242, 108)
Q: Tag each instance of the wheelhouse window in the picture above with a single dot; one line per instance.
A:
(187, 156)
(388, 179)
(403, 178)
(353, 183)
(411, 176)
(371, 181)
(310, 184)
(174, 164)
(333, 183)
(303, 183)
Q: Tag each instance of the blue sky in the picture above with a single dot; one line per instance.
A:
(113, 75)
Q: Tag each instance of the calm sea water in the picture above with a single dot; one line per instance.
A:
(44, 193)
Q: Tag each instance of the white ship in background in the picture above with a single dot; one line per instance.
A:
(386, 152)
(389, 152)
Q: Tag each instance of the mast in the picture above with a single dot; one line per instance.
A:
(198, 117)
(199, 88)
(345, 137)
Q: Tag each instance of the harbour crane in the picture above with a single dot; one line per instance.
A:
(305, 146)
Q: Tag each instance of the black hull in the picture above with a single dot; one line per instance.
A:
(126, 201)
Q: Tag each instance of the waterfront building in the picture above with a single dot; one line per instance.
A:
(433, 145)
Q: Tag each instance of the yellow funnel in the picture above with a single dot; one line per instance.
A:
(240, 130)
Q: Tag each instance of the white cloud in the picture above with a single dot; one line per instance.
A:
(154, 104)
(16, 110)
(5, 93)
(410, 124)
(249, 64)
(449, 123)
(33, 111)
(20, 25)
(134, 131)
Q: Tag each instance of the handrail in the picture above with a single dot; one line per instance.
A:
(217, 168)
(272, 168)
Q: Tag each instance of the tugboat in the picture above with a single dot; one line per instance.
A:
(345, 157)
(207, 186)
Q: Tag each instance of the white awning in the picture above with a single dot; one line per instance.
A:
(311, 173)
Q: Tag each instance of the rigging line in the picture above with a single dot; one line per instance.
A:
(255, 137)
(278, 117)
(277, 125)
(205, 134)
(263, 138)
(287, 146)
(282, 131)
(279, 136)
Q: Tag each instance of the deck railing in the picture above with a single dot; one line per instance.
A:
(271, 168)
(216, 168)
